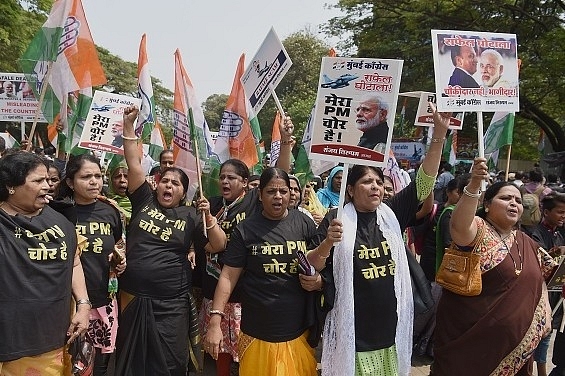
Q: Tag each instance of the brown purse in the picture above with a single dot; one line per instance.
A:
(460, 272)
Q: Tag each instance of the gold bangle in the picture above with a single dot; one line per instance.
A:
(213, 224)
(324, 257)
(286, 142)
(130, 138)
(471, 194)
(217, 312)
(442, 139)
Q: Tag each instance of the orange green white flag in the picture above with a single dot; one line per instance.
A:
(236, 138)
(62, 57)
(146, 117)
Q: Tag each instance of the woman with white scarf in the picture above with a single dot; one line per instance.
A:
(369, 329)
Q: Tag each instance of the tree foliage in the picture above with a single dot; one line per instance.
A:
(401, 29)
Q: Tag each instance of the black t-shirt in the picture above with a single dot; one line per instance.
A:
(36, 267)
(100, 223)
(274, 305)
(373, 272)
(158, 242)
(241, 210)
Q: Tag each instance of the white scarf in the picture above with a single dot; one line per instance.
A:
(338, 355)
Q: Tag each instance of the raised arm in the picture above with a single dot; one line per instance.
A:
(287, 143)
(462, 227)
(136, 175)
(430, 164)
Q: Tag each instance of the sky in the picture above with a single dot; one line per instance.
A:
(211, 35)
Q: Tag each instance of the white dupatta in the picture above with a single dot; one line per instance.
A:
(338, 354)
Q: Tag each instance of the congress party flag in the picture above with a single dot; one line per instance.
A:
(62, 57)
(191, 134)
(236, 138)
(146, 118)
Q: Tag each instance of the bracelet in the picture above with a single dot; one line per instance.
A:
(324, 257)
(286, 142)
(217, 312)
(438, 139)
(470, 194)
(84, 301)
(130, 138)
(213, 224)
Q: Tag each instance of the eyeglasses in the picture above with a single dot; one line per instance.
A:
(295, 189)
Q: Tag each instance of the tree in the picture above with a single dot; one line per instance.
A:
(213, 109)
(401, 29)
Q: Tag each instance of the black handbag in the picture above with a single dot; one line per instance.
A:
(421, 287)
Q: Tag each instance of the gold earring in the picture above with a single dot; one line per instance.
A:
(11, 191)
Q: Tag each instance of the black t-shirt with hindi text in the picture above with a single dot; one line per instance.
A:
(274, 304)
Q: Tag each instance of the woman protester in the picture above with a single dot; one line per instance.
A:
(235, 204)
(496, 332)
(100, 223)
(262, 252)
(39, 273)
(155, 290)
(54, 179)
(329, 195)
(370, 269)
(118, 187)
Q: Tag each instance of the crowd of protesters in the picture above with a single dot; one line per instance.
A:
(260, 276)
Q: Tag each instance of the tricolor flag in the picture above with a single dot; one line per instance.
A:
(236, 138)
(146, 117)
(77, 104)
(157, 142)
(276, 139)
(62, 57)
(499, 132)
(11, 142)
(189, 127)
(450, 148)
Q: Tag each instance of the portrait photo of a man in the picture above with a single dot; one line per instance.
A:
(372, 121)
(464, 59)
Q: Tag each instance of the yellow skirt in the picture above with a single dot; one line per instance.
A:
(47, 364)
(261, 358)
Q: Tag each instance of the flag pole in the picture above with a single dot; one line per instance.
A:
(508, 162)
(277, 102)
(198, 167)
(40, 103)
(481, 142)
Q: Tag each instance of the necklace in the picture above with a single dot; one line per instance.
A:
(517, 270)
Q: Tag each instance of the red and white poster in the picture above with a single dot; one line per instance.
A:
(355, 109)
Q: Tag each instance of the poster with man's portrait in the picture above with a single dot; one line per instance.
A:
(475, 71)
(355, 109)
(104, 125)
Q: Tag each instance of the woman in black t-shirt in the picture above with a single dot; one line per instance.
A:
(101, 224)
(155, 294)
(39, 268)
(369, 329)
(275, 300)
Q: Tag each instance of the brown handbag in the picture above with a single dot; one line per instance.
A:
(460, 272)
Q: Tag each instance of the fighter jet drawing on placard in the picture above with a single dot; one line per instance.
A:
(341, 81)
